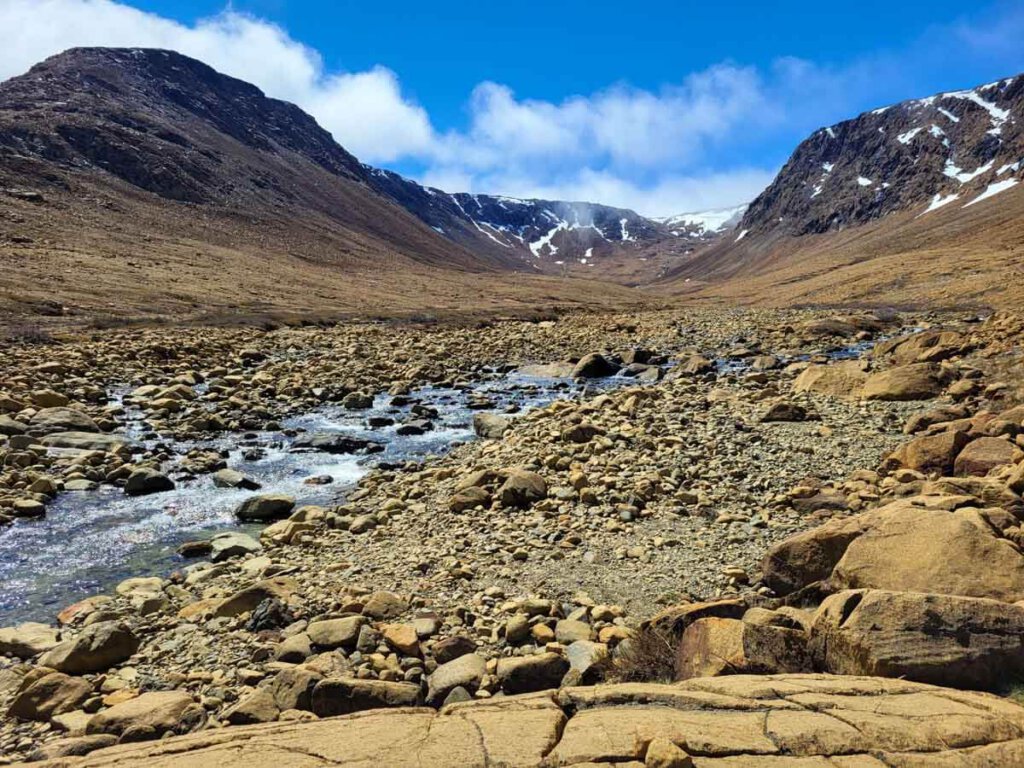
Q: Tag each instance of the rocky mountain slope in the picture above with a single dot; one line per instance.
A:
(173, 127)
(916, 202)
(143, 180)
(951, 149)
(543, 233)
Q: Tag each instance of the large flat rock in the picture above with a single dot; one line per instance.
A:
(778, 721)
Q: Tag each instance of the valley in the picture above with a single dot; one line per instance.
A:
(305, 462)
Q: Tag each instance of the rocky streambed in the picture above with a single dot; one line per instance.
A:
(449, 568)
(90, 540)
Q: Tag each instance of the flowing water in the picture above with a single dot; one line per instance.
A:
(89, 541)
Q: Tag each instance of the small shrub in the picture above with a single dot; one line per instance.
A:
(647, 657)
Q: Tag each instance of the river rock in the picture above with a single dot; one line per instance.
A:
(232, 478)
(9, 426)
(224, 546)
(332, 442)
(336, 633)
(383, 605)
(52, 694)
(451, 648)
(953, 641)
(490, 425)
(95, 649)
(264, 508)
(468, 498)
(983, 455)
(50, 420)
(145, 480)
(87, 441)
(594, 366)
(26, 641)
(466, 671)
(150, 716)
(343, 696)
(522, 488)
(524, 674)
(918, 381)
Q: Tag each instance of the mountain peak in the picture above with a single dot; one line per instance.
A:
(920, 154)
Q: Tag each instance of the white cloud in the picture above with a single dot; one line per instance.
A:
(662, 151)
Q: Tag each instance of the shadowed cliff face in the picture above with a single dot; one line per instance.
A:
(914, 155)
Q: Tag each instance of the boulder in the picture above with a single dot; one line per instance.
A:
(587, 662)
(522, 488)
(97, 648)
(145, 480)
(383, 605)
(918, 381)
(247, 600)
(468, 498)
(26, 641)
(231, 478)
(843, 379)
(466, 671)
(336, 633)
(981, 456)
(924, 550)
(784, 411)
(263, 508)
(810, 556)
(52, 694)
(47, 421)
(87, 441)
(924, 346)
(694, 365)
(930, 453)
(343, 696)
(224, 546)
(150, 715)
(594, 366)
(256, 707)
(293, 688)
(28, 508)
(490, 425)
(958, 642)
(674, 620)
(524, 674)
(712, 647)
(77, 746)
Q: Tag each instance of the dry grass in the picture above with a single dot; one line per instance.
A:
(647, 657)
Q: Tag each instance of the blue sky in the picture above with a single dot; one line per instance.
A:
(659, 106)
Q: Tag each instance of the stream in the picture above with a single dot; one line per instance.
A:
(90, 541)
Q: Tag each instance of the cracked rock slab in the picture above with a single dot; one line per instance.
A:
(744, 721)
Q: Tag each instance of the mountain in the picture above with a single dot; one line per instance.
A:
(705, 224)
(895, 203)
(542, 233)
(140, 180)
(953, 148)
